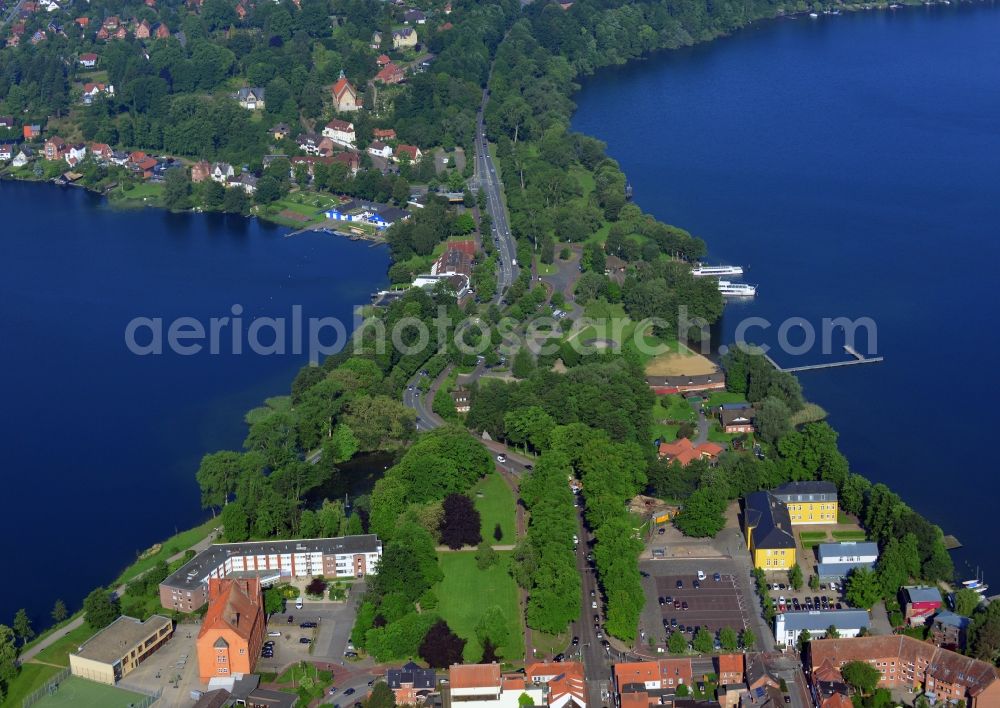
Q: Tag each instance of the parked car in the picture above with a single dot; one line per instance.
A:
(673, 621)
(560, 657)
(308, 625)
(661, 531)
(291, 618)
(701, 575)
(351, 654)
(663, 601)
(684, 605)
(680, 584)
(717, 578)
(274, 633)
(677, 604)
(305, 640)
(697, 584)
(349, 692)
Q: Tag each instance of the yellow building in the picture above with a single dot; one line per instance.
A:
(768, 531)
(809, 502)
(120, 647)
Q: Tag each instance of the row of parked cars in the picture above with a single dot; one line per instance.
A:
(808, 604)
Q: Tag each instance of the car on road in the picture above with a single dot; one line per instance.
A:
(600, 634)
(501, 458)
(576, 641)
(597, 619)
(593, 604)
(305, 640)
(605, 643)
(661, 531)
(268, 643)
(291, 618)
(560, 657)
(351, 654)
(349, 692)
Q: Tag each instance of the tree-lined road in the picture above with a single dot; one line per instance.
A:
(486, 175)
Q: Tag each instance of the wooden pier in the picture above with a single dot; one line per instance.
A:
(858, 359)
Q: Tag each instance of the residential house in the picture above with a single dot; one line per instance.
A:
(415, 16)
(38, 37)
(457, 258)
(340, 132)
(729, 669)
(836, 560)
(950, 631)
(662, 385)
(789, 625)
(383, 59)
(920, 602)
(768, 531)
(391, 74)
(6, 122)
(758, 673)
(729, 695)
(120, 158)
(101, 151)
(809, 502)
(246, 181)
(378, 215)
(485, 686)
(232, 633)
(411, 684)
(684, 451)
(410, 151)
(23, 156)
(280, 131)
(144, 166)
(645, 683)
(250, 98)
(93, 90)
(376, 40)
(74, 154)
(200, 171)
(31, 131)
(736, 418)
(349, 158)
(82, 22)
(384, 134)
(345, 96)
(221, 172)
(309, 143)
(564, 680)
(142, 30)
(115, 651)
(14, 41)
(404, 38)
(907, 663)
(7, 151)
(87, 60)
(162, 31)
(380, 149)
(55, 148)
(462, 399)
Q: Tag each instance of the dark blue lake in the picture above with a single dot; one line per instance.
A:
(101, 446)
(852, 164)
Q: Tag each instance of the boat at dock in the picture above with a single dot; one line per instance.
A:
(977, 584)
(704, 271)
(729, 289)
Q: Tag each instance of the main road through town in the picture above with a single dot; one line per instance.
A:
(486, 176)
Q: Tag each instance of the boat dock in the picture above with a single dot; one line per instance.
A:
(858, 359)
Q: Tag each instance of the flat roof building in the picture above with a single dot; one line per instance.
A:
(117, 649)
(789, 625)
(836, 560)
(186, 589)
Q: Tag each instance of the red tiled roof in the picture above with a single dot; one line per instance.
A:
(231, 606)
(473, 675)
(730, 664)
(684, 451)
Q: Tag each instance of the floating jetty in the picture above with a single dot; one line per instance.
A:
(858, 359)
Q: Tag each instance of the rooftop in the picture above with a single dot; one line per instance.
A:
(865, 548)
(922, 593)
(119, 638)
(769, 520)
(474, 675)
(820, 620)
(806, 491)
(196, 570)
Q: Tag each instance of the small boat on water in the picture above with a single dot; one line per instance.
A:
(977, 584)
(813, 15)
(704, 271)
(729, 289)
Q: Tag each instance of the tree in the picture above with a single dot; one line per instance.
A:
(814, 582)
(772, 419)
(493, 627)
(861, 675)
(486, 557)
(524, 363)
(177, 189)
(460, 525)
(702, 514)
(441, 647)
(703, 641)
(8, 655)
(804, 638)
(748, 639)
(497, 533)
(525, 701)
(217, 476)
(832, 632)
(677, 644)
(59, 612)
(728, 639)
(966, 601)
(795, 577)
(101, 608)
(683, 691)
(235, 201)
(863, 588)
(381, 696)
(268, 190)
(22, 626)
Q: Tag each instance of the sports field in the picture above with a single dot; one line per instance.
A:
(76, 692)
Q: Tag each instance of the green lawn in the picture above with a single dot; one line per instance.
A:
(467, 592)
(849, 535)
(76, 692)
(28, 679)
(58, 652)
(175, 544)
(549, 644)
(812, 535)
(844, 518)
(716, 435)
(495, 506)
(664, 432)
(673, 407)
(717, 398)
(143, 192)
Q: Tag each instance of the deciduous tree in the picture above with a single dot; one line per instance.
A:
(860, 675)
(441, 647)
(460, 525)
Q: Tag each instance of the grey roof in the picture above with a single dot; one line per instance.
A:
(734, 406)
(213, 699)
(922, 593)
(769, 520)
(951, 619)
(840, 570)
(195, 571)
(411, 674)
(819, 621)
(266, 697)
(737, 416)
(245, 93)
(120, 637)
(806, 491)
(864, 548)
(393, 214)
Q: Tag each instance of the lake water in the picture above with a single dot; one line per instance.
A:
(101, 446)
(852, 165)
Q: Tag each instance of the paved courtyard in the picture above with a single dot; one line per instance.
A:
(174, 668)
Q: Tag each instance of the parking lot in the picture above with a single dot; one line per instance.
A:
(785, 599)
(713, 605)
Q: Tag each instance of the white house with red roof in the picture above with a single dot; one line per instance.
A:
(345, 96)
(340, 132)
(87, 60)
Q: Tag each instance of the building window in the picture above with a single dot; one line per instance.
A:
(242, 652)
